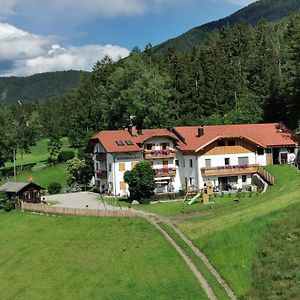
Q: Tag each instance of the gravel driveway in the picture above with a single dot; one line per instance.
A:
(81, 200)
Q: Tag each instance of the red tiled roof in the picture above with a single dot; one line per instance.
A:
(265, 135)
(109, 138)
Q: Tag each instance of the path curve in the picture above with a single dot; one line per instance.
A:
(206, 287)
(200, 254)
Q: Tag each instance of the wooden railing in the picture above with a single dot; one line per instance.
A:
(101, 174)
(230, 170)
(165, 172)
(100, 156)
(159, 154)
(266, 176)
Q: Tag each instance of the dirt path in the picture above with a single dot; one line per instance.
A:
(203, 282)
(154, 220)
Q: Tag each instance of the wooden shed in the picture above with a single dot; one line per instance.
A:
(24, 191)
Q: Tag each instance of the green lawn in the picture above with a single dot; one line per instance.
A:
(35, 166)
(277, 262)
(38, 154)
(214, 284)
(48, 257)
(230, 236)
(46, 175)
(182, 208)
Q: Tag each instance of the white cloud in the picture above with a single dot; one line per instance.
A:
(24, 54)
(91, 7)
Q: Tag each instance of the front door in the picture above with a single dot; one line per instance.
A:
(275, 156)
(223, 182)
(283, 158)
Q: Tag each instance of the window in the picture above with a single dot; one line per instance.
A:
(109, 167)
(207, 163)
(192, 181)
(149, 146)
(120, 143)
(244, 178)
(177, 162)
(227, 161)
(133, 164)
(129, 143)
(165, 163)
(121, 167)
(260, 151)
(231, 143)
(191, 163)
(164, 146)
(221, 143)
(243, 160)
(122, 185)
(269, 150)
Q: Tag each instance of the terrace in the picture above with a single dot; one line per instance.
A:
(159, 154)
(165, 172)
(230, 170)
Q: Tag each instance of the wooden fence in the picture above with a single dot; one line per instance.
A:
(48, 209)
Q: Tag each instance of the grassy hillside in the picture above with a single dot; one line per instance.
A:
(35, 166)
(277, 262)
(89, 258)
(269, 10)
(230, 236)
(37, 87)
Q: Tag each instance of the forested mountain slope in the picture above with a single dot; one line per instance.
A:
(268, 10)
(37, 87)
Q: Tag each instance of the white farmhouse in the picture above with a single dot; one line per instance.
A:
(188, 157)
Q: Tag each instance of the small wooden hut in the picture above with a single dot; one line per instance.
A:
(24, 191)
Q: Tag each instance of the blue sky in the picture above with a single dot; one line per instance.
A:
(40, 35)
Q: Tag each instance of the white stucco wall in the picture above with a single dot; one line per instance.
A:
(127, 159)
(218, 161)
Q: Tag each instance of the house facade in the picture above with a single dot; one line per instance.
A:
(189, 157)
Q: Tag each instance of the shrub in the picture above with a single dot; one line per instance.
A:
(141, 182)
(64, 156)
(54, 188)
(7, 203)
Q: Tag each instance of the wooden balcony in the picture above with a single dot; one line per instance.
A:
(165, 172)
(100, 156)
(101, 174)
(159, 154)
(230, 170)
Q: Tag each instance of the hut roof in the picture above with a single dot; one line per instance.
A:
(16, 187)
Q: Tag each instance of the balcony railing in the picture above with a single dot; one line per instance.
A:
(100, 174)
(159, 154)
(165, 172)
(100, 156)
(230, 170)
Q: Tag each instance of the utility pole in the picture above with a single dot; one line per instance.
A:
(14, 158)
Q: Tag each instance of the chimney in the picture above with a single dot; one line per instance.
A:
(200, 131)
(139, 131)
(132, 130)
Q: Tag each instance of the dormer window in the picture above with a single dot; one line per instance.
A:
(129, 143)
(119, 143)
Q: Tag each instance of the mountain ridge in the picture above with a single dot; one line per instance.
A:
(268, 10)
(40, 86)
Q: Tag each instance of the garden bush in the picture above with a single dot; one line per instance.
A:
(54, 188)
(7, 203)
(64, 156)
